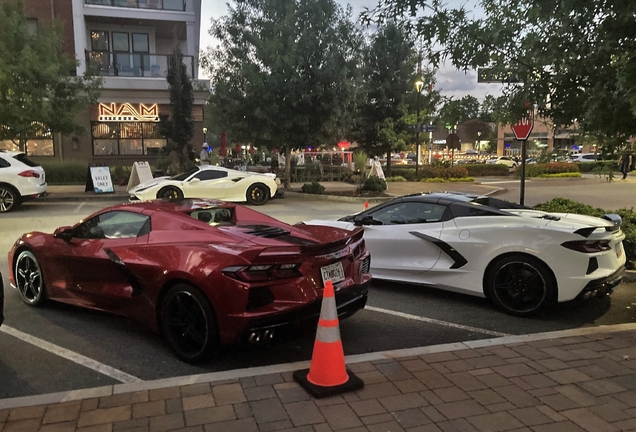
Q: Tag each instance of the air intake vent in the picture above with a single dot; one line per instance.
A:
(266, 231)
(259, 297)
(592, 266)
(366, 265)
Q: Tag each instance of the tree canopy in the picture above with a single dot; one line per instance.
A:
(286, 72)
(576, 59)
(37, 91)
(456, 111)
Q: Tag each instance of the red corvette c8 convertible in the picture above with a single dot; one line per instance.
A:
(204, 273)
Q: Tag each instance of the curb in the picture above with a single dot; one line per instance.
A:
(79, 198)
(73, 395)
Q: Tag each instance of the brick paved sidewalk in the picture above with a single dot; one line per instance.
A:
(578, 383)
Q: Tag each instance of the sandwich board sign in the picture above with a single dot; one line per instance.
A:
(98, 180)
(140, 173)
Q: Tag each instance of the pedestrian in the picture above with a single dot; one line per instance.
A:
(625, 163)
(204, 156)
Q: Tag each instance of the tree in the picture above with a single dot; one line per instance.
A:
(179, 127)
(388, 74)
(575, 59)
(456, 111)
(286, 73)
(37, 92)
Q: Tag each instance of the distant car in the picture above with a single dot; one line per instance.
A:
(20, 179)
(209, 181)
(584, 157)
(504, 160)
(531, 161)
(204, 273)
(521, 259)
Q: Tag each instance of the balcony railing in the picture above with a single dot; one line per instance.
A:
(107, 63)
(173, 5)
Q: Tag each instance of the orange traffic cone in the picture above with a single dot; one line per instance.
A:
(366, 205)
(327, 374)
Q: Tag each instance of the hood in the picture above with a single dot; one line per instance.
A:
(148, 184)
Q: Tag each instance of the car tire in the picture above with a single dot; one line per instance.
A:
(170, 192)
(520, 285)
(29, 279)
(257, 194)
(188, 324)
(9, 198)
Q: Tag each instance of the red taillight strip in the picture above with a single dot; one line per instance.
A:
(30, 173)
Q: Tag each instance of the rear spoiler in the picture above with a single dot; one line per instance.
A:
(332, 249)
(615, 219)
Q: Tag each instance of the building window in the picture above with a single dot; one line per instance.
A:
(126, 138)
(40, 144)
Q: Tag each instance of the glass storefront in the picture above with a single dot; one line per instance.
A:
(126, 138)
(41, 144)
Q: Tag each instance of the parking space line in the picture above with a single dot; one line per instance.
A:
(72, 356)
(434, 321)
(79, 207)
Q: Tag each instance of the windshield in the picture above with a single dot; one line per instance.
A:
(184, 175)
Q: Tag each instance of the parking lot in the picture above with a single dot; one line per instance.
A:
(59, 347)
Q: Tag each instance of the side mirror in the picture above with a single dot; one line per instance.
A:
(365, 220)
(65, 233)
(195, 180)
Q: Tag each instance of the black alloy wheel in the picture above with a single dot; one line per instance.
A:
(520, 285)
(9, 199)
(188, 324)
(170, 192)
(257, 194)
(29, 279)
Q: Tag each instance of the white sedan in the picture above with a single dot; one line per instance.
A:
(521, 259)
(209, 181)
(504, 160)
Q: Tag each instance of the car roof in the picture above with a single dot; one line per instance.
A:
(10, 153)
(184, 205)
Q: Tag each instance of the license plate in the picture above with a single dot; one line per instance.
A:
(333, 272)
(619, 250)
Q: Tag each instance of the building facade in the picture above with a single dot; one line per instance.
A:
(128, 43)
(544, 136)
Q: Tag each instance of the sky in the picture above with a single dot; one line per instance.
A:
(450, 82)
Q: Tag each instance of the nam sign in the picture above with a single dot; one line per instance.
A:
(127, 112)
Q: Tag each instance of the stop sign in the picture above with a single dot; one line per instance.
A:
(524, 127)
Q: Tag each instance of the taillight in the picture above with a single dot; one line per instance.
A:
(30, 173)
(588, 246)
(263, 272)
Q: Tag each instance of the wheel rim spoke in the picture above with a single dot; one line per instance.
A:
(29, 279)
(520, 287)
(186, 323)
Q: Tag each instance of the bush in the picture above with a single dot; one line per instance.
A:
(483, 170)
(448, 180)
(442, 172)
(539, 169)
(563, 205)
(313, 188)
(65, 172)
(398, 179)
(602, 165)
(356, 179)
(374, 184)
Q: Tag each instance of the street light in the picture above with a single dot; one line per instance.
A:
(478, 141)
(418, 86)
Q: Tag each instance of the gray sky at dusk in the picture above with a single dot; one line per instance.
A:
(450, 82)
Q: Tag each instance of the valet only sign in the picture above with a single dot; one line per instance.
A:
(99, 180)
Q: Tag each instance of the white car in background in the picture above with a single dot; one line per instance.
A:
(521, 259)
(584, 157)
(210, 181)
(504, 160)
(20, 179)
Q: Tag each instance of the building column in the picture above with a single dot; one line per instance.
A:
(79, 32)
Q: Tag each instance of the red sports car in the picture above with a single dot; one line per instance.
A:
(204, 273)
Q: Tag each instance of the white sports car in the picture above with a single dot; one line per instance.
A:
(519, 258)
(209, 181)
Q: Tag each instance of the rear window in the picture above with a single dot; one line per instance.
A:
(25, 160)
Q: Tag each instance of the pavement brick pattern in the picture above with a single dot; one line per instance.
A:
(573, 384)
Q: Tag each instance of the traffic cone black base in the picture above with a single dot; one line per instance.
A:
(352, 384)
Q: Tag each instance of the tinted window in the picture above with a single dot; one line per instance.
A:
(462, 210)
(184, 175)
(115, 224)
(210, 174)
(409, 213)
(592, 157)
(25, 160)
(4, 163)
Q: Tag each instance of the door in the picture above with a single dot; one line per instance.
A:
(207, 183)
(97, 276)
(404, 242)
